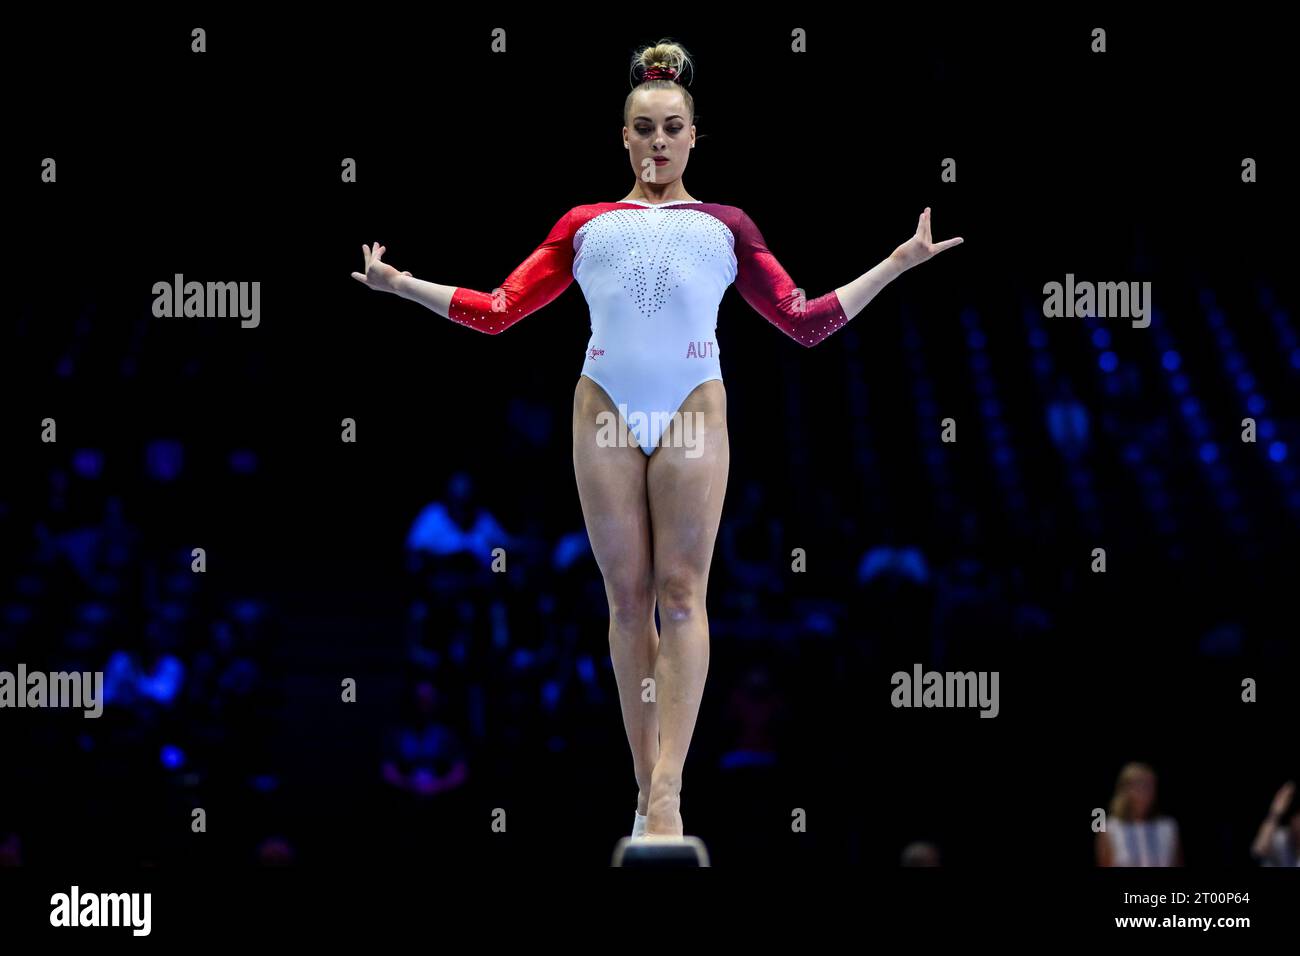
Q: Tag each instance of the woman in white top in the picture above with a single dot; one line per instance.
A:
(1135, 835)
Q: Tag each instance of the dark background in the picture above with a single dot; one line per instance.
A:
(225, 167)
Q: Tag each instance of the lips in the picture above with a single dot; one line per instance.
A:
(661, 160)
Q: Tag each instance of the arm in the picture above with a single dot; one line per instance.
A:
(541, 277)
(1262, 846)
(1259, 850)
(863, 289)
(767, 287)
(763, 282)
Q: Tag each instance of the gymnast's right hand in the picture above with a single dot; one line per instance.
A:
(379, 275)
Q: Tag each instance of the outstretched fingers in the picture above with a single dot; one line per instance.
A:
(923, 230)
(373, 254)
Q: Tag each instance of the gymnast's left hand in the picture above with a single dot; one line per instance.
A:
(921, 246)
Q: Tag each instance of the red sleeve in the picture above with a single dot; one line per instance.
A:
(767, 287)
(536, 281)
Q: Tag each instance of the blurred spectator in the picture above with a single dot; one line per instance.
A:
(426, 756)
(457, 526)
(754, 708)
(1278, 845)
(1135, 835)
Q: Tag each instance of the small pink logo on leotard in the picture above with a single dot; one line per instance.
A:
(699, 350)
(592, 353)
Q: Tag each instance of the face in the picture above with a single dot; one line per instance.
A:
(660, 136)
(1141, 795)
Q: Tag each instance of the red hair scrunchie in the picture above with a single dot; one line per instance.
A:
(658, 73)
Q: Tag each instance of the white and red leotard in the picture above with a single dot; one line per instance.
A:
(653, 276)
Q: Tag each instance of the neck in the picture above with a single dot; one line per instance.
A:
(649, 192)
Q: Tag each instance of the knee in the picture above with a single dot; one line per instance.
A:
(680, 594)
(631, 602)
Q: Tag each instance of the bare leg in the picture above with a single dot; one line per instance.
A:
(686, 495)
(612, 489)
